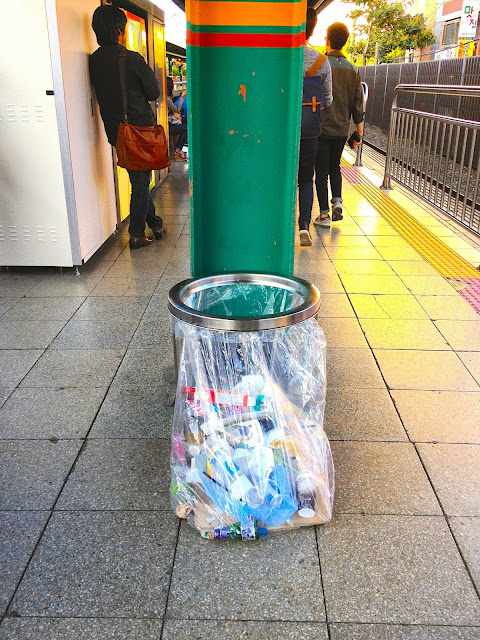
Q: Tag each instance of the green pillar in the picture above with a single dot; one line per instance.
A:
(244, 66)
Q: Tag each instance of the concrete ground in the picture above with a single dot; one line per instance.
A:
(90, 548)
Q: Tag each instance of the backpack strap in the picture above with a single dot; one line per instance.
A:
(315, 66)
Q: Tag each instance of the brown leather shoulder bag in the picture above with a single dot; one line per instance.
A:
(139, 148)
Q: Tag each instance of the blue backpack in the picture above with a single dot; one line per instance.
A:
(312, 101)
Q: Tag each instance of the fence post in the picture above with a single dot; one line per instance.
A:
(358, 157)
(386, 184)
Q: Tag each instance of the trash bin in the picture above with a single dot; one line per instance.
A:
(249, 454)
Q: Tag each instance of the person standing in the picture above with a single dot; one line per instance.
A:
(109, 24)
(347, 104)
(308, 146)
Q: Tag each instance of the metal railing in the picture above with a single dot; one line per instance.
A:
(358, 157)
(437, 157)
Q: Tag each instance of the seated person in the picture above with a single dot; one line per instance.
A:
(175, 125)
(181, 104)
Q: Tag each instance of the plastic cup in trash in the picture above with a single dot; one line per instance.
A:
(306, 491)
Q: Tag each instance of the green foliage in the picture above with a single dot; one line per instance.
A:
(388, 25)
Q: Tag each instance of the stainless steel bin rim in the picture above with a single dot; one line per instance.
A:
(183, 290)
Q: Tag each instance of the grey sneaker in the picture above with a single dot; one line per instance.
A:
(337, 213)
(305, 238)
(322, 221)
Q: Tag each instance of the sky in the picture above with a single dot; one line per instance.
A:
(335, 12)
(175, 22)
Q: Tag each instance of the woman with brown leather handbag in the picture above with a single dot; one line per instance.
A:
(109, 23)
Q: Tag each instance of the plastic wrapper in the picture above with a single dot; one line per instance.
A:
(249, 454)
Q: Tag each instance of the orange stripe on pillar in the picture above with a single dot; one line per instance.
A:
(245, 13)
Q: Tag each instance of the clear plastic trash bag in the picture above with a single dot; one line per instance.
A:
(249, 454)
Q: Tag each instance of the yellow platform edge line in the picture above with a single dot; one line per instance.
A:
(444, 259)
(431, 248)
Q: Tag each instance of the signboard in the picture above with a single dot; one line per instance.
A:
(445, 54)
(468, 21)
(466, 49)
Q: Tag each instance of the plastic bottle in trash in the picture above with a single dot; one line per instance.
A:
(248, 530)
(261, 464)
(306, 495)
(221, 467)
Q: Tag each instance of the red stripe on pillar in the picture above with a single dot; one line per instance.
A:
(245, 39)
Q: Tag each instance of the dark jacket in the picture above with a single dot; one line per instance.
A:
(142, 86)
(347, 98)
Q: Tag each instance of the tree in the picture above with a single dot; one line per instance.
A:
(388, 26)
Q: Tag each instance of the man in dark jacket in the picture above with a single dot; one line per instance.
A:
(347, 103)
(109, 24)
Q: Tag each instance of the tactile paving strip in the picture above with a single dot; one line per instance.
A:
(448, 263)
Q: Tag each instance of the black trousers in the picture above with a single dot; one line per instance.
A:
(327, 167)
(142, 208)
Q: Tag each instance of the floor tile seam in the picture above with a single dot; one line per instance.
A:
(396, 514)
(100, 511)
(67, 388)
(460, 391)
(90, 439)
(419, 296)
(170, 578)
(417, 320)
(46, 348)
(361, 515)
(449, 444)
(450, 528)
(325, 608)
(405, 442)
(133, 325)
(31, 617)
(393, 348)
(43, 351)
(171, 618)
(389, 390)
(426, 389)
(407, 625)
(110, 510)
(380, 372)
(105, 320)
(401, 442)
(52, 510)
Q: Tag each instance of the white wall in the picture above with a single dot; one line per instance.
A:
(90, 152)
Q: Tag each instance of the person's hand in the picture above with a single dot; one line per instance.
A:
(184, 94)
(357, 144)
(178, 116)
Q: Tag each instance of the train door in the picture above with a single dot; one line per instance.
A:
(160, 68)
